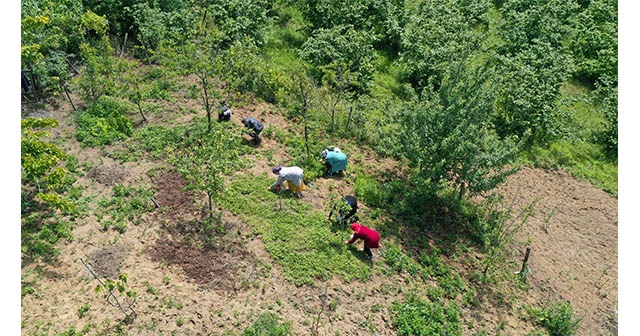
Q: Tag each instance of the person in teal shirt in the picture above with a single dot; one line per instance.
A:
(336, 161)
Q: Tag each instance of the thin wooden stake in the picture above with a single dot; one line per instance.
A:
(523, 271)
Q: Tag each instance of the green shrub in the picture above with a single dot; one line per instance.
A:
(559, 318)
(104, 122)
(124, 207)
(416, 316)
(398, 261)
(267, 324)
(39, 237)
(368, 189)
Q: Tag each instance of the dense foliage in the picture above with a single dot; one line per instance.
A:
(44, 180)
(447, 134)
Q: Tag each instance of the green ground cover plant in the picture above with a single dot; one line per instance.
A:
(125, 206)
(557, 318)
(297, 237)
(104, 122)
(417, 316)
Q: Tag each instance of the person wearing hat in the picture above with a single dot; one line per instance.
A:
(225, 112)
(370, 237)
(352, 204)
(336, 161)
(292, 175)
(255, 126)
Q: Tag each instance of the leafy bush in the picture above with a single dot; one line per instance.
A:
(368, 189)
(559, 318)
(435, 33)
(398, 261)
(248, 71)
(126, 206)
(416, 316)
(533, 51)
(342, 56)
(44, 180)
(104, 122)
(606, 97)
(267, 324)
(39, 237)
(594, 42)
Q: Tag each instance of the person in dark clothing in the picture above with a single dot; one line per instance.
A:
(370, 237)
(24, 82)
(225, 112)
(352, 204)
(255, 126)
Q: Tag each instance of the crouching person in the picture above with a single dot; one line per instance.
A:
(292, 175)
(370, 237)
(335, 161)
(225, 112)
(255, 128)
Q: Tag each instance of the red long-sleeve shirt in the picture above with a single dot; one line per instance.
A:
(371, 237)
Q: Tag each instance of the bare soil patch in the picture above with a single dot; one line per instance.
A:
(206, 266)
(108, 174)
(105, 261)
(574, 246)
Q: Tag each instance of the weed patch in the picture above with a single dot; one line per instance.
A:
(298, 237)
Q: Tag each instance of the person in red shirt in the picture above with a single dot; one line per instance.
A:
(371, 238)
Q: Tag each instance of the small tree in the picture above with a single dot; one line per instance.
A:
(204, 64)
(447, 134)
(98, 77)
(134, 87)
(42, 198)
(41, 170)
(204, 160)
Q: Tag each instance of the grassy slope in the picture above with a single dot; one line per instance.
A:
(577, 152)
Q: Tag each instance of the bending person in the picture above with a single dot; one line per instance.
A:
(334, 161)
(293, 176)
(255, 126)
(370, 237)
(225, 112)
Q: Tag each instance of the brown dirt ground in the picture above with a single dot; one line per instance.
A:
(573, 236)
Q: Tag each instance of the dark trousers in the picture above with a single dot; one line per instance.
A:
(368, 252)
(255, 135)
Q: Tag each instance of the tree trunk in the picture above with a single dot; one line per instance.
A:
(124, 44)
(524, 262)
(68, 97)
(144, 119)
(205, 98)
(210, 205)
(349, 118)
(146, 53)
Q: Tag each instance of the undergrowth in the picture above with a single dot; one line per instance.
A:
(126, 206)
(297, 237)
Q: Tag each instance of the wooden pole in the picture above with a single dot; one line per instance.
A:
(524, 263)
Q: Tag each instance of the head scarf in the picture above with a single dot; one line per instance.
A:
(324, 154)
(276, 169)
(244, 121)
(355, 227)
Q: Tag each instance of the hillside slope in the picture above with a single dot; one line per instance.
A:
(191, 290)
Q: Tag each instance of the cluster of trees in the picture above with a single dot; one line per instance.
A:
(472, 81)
